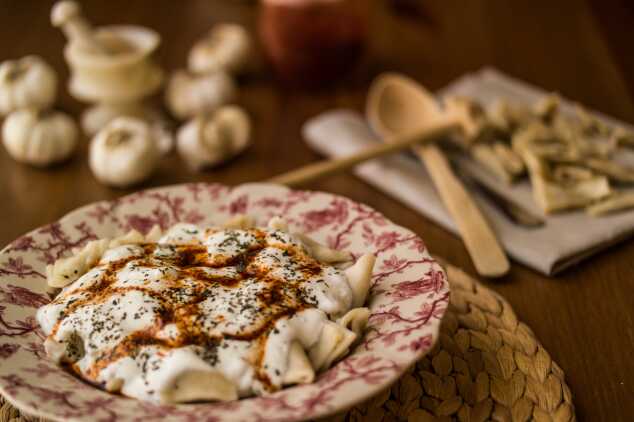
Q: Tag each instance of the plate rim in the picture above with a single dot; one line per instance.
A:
(433, 327)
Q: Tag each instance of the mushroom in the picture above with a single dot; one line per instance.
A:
(212, 139)
(26, 83)
(39, 138)
(190, 95)
(227, 47)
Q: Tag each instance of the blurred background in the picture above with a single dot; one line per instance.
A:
(579, 48)
(307, 64)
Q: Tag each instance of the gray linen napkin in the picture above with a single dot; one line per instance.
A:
(564, 240)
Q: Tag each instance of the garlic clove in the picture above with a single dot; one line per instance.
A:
(187, 143)
(210, 140)
(29, 82)
(234, 124)
(192, 146)
(163, 137)
(39, 138)
(124, 153)
(97, 117)
(227, 47)
(189, 95)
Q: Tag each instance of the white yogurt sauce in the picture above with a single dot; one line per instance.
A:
(230, 300)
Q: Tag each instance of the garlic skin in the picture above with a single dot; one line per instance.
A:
(125, 152)
(164, 139)
(188, 95)
(39, 138)
(26, 83)
(207, 141)
(226, 47)
(96, 118)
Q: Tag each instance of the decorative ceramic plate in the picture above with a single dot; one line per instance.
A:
(408, 299)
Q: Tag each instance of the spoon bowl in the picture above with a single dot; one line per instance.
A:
(397, 104)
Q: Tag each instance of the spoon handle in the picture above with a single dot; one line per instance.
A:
(483, 246)
(324, 168)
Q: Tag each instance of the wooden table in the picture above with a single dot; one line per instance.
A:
(585, 318)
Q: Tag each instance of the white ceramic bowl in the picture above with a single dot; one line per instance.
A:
(408, 299)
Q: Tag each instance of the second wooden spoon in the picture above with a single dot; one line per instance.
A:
(397, 104)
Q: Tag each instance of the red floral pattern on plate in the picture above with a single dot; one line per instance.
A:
(408, 298)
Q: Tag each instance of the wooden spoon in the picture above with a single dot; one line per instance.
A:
(396, 105)
(324, 168)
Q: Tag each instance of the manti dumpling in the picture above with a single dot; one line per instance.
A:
(198, 314)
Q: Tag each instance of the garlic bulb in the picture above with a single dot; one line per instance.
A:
(95, 118)
(125, 152)
(206, 141)
(188, 95)
(226, 47)
(26, 83)
(98, 117)
(39, 138)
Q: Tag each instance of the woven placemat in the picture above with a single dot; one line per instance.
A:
(486, 366)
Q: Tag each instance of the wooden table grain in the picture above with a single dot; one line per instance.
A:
(585, 318)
